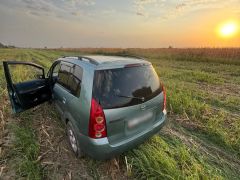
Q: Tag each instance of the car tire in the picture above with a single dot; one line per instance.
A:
(73, 141)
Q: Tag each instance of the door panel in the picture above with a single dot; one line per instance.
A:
(26, 83)
(59, 97)
(33, 93)
(61, 87)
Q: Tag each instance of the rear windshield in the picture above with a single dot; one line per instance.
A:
(115, 88)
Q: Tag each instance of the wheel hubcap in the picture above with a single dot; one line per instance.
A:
(72, 140)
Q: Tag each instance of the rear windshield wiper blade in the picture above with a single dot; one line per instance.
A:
(132, 97)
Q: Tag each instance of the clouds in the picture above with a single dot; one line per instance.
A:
(52, 8)
(162, 9)
(132, 23)
(180, 6)
(142, 5)
(190, 6)
(145, 9)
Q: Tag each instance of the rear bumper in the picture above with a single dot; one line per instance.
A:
(101, 148)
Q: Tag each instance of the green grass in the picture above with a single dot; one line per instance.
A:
(217, 124)
(27, 149)
(167, 158)
(203, 100)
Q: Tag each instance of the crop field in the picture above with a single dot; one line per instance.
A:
(201, 139)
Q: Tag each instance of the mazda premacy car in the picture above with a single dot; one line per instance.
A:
(108, 103)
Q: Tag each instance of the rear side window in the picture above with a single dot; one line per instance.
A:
(63, 75)
(75, 80)
(70, 77)
(123, 87)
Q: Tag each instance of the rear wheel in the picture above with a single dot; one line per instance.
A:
(73, 141)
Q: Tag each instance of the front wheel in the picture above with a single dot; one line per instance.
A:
(73, 141)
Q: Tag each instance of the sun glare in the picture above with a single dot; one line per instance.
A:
(228, 29)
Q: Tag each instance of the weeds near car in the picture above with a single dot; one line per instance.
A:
(27, 150)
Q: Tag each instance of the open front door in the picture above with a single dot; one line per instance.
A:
(26, 83)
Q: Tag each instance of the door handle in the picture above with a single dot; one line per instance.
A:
(64, 100)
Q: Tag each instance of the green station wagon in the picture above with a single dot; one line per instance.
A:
(108, 103)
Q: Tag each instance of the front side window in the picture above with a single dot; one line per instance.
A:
(115, 88)
(23, 73)
(56, 70)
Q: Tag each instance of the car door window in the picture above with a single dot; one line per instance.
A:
(56, 70)
(70, 77)
(24, 73)
(63, 75)
(75, 80)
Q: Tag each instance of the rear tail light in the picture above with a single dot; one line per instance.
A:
(132, 65)
(97, 122)
(164, 98)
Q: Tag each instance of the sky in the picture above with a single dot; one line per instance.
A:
(118, 23)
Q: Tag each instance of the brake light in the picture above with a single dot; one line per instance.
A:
(164, 98)
(97, 121)
(132, 65)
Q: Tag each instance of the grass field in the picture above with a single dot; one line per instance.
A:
(200, 141)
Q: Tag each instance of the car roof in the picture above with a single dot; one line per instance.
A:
(100, 61)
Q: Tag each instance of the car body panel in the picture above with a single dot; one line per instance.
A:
(139, 116)
(101, 149)
(78, 107)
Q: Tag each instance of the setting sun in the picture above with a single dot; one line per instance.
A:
(228, 29)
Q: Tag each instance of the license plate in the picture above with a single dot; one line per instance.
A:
(134, 122)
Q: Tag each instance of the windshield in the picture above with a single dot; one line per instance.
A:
(123, 87)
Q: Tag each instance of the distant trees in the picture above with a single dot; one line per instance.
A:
(4, 46)
(11, 46)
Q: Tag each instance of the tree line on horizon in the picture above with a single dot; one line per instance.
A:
(6, 46)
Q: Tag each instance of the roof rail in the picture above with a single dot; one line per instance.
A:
(89, 59)
(129, 55)
(82, 59)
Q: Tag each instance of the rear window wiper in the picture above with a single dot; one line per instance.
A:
(132, 97)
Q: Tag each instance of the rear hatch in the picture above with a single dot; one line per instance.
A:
(131, 98)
